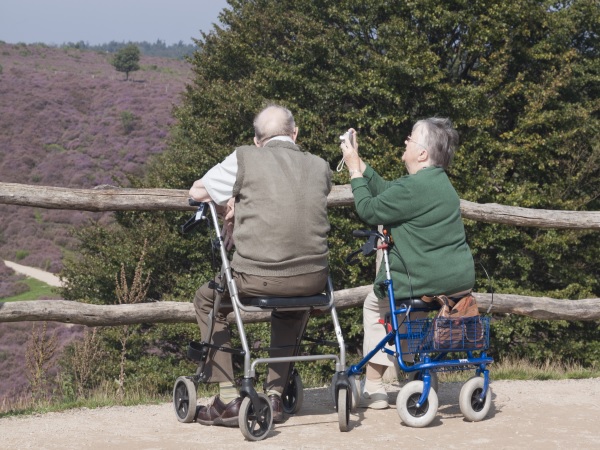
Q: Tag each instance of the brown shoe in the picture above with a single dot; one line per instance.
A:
(219, 413)
(277, 406)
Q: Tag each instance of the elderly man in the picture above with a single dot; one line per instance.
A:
(280, 236)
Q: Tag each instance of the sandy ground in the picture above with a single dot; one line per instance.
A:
(525, 414)
(38, 274)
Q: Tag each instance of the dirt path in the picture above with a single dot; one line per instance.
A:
(525, 414)
(38, 274)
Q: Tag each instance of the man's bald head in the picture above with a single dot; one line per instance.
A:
(274, 121)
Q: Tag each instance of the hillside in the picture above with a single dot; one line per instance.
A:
(68, 118)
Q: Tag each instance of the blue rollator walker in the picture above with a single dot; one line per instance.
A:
(435, 344)
(256, 414)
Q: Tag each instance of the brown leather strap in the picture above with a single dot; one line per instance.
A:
(441, 299)
(448, 300)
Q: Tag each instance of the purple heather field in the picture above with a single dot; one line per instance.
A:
(68, 119)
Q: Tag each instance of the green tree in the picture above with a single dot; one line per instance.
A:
(518, 77)
(127, 60)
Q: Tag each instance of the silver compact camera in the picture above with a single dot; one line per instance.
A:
(347, 134)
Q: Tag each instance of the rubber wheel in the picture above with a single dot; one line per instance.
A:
(343, 408)
(410, 414)
(255, 427)
(293, 394)
(471, 406)
(418, 375)
(334, 380)
(355, 391)
(184, 399)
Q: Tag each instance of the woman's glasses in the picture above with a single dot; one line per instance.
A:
(409, 139)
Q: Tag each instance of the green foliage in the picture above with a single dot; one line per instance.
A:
(158, 48)
(154, 358)
(21, 254)
(518, 77)
(128, 120)
(127, 60)
(542, 340)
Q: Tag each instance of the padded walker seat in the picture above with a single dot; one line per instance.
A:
(311, 301)
(417, 304)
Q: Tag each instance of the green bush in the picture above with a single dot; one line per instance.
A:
(21, 254)
(128, 121)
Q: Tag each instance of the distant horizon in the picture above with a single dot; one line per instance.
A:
(95, 45)
(96, 22)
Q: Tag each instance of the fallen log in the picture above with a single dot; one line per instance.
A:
(183, 312)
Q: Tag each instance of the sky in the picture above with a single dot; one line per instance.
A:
(56, 22)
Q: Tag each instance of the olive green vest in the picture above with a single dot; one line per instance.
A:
(281, 222)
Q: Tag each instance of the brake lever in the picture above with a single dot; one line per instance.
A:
(370, 247)
(351, 260)
(193, 221)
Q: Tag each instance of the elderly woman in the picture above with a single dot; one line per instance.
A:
(422, 213)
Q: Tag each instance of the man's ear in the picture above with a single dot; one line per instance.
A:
(295, 134)
(423, 155)
(256, 141)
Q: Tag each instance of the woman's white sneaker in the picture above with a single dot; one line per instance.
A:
(374, 400)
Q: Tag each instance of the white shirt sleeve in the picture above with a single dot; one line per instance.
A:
(219, 180)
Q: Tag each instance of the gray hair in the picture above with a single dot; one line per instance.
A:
(440, 138)
(274, 120)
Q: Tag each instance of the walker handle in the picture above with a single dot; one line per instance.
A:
(362, 233)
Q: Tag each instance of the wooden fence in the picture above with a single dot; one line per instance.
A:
(109, 198)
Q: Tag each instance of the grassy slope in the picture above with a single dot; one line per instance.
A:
(37, 290)
(68, 119)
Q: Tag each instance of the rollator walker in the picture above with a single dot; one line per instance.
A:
(438, 345)
(256, 416)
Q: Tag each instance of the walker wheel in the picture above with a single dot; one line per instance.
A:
(255, 425)
(184, 399)
(293, 394)
(406, 405)
(473, 408)
(343, 408)
(355, 390)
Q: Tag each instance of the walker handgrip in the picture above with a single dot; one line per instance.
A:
(193, 202)
(362, 233)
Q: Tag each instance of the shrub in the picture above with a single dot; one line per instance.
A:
(21, 254)
(128, 121)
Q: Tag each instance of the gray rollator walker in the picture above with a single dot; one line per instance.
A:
(256, 415)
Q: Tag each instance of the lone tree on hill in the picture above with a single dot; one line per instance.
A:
(127, 59)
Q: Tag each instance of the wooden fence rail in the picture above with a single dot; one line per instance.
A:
(180, 312)
(109, 198)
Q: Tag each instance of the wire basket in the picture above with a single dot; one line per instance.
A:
(446, 335)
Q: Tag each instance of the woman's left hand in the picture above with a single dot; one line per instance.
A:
(349, 148)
